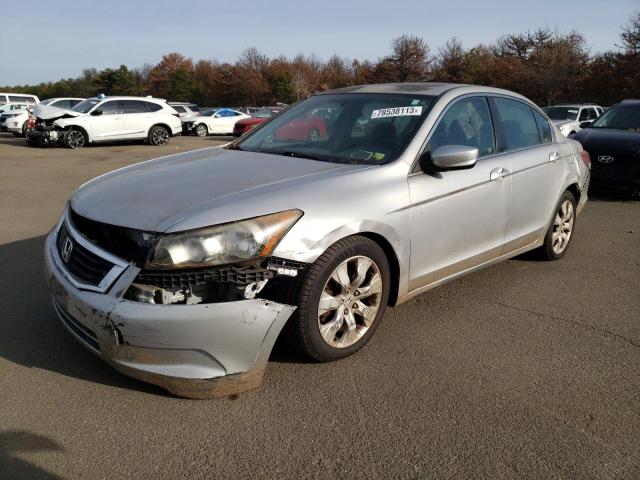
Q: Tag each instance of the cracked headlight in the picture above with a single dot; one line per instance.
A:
(222, 244)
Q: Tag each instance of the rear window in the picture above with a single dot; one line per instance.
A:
(153, 107)
(61, 104)
(21, 98)
(178, 108)
(133, 106)
(543, 127)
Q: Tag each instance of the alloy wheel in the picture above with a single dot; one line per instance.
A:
(562, 227)
(74, 139)
(160, 136)
(349, 301)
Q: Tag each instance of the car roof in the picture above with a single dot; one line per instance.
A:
(123, 97)
(633, 101)
(424, 88)
(576, 105)
(185, 104)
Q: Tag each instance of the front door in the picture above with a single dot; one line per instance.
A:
(109, 123)
(458, 217)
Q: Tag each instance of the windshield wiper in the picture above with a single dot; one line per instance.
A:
(289, 153)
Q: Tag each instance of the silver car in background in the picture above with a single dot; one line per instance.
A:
(182, 271)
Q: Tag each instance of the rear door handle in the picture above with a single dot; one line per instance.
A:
(553, 156)
(498, 173)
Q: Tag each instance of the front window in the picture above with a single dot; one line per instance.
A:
(343, 128)
(208, 112)
(86, 105)
(562, 113)
(621, 117)
(468, 123)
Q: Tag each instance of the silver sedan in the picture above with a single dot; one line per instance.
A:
(183, 271)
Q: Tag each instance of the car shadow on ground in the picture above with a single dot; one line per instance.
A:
(32, 335)
(12, 442)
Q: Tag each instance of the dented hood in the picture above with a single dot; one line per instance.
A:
(46, 112)
(158, 194)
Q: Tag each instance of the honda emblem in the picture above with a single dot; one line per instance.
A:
(67, 248)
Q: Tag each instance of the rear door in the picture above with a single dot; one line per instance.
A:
(136, 118)
(534, 160)
(458, 217)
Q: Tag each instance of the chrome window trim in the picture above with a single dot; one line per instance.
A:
(119, 265)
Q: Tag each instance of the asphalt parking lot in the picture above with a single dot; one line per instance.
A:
(527, 369)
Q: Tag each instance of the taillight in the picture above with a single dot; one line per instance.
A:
(584, 155)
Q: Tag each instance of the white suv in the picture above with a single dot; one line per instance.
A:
(108, 119)
(571, 118)
(14, 118)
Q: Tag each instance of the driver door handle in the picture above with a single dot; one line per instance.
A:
(498, 173)
(553, 156)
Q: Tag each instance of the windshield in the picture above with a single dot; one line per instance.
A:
(207, 112)
(561, 113)
(621, 117)
(343, 128)
(86, 105)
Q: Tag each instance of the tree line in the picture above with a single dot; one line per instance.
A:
(547, 66)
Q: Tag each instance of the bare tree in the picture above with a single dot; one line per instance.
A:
(630, 36)
(409, 58)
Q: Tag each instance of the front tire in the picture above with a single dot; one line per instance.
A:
(74, 138)
(560, 232)
(158, 136)
(341, 299)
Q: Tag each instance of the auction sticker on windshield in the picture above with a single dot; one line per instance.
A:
(396, 112)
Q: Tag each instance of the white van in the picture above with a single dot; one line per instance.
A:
(18, 98)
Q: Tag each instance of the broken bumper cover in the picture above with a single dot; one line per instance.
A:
(195, 351)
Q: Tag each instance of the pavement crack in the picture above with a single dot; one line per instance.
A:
(572, 322)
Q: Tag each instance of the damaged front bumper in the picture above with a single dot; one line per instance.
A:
(197, 351)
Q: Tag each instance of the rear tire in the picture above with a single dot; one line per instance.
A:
(158, 136)
(341, 299)
(560, 232)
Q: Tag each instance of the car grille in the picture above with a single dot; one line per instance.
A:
(239, 275)
(84, 265)
(175, 280)
(84, 333)
(623, 165)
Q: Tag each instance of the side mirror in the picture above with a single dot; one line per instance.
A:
(454, 157)
(586, 123)
(217, 115)
(96, 113)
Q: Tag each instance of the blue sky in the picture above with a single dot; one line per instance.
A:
(45, 40)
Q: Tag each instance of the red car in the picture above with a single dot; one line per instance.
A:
(312, 128)
(243, 126)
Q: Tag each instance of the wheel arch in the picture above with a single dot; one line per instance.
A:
(394, 264)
